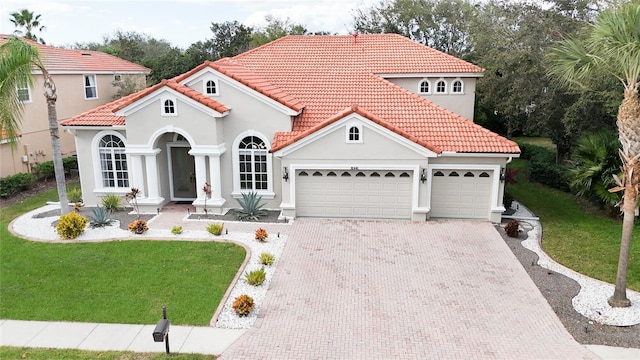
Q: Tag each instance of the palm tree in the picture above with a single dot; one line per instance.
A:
(596, 158)
(612, 47)
(17, 59)
(25, 19)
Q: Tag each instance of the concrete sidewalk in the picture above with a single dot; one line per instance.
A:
(119, 337)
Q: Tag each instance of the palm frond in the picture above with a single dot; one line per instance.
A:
(16, 63)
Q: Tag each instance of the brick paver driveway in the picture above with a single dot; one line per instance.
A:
(401, 290)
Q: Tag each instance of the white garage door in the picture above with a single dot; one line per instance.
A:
(461, 194)
(354, 194)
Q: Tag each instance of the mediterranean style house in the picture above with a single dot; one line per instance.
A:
(84, 79)
(350, 126)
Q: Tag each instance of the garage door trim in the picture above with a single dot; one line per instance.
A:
(495, 205)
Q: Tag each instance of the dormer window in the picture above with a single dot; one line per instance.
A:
(211, 87)
(425, 87)
(441, 87)
(354, 133)
(456, 87)
(169, 107)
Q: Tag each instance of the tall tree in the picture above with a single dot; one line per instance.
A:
(612, 47)
(16, 64)
(26, 24)
(230, 38)
(275, 29)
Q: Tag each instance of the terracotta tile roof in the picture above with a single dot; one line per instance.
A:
(240, 73)
(61, 60)
(329, 77)
(329, 74)
(105, 114)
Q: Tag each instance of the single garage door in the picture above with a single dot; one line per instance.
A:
(354, 194)
(461, 194)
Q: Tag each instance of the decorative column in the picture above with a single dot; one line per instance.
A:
(137, 175)
(153, 185)
(215, 177)
(201, 175)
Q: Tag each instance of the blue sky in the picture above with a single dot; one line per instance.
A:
(180, 22)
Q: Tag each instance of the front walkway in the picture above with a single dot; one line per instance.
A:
(402, 290)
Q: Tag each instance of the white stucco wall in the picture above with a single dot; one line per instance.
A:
(461, 104)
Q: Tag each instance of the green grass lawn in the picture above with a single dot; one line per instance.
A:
(114, 282)
(17, 353)
(576, 235)
(539, 141)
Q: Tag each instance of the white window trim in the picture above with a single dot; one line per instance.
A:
(237, 192)
(84, 87)
(204, 86)
(461, 87)
(175, 106)
(360, 134)
(435, 90)
(99, 188)
(28, 88)
(420, 86)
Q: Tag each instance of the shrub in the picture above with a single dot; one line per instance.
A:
(70, 163)
(267, 259)
(512, 228)
(45, 170)
(243, 305)
(16, 183)
(250, 207)
(176, 230)
(111, 202)
(261, 235)
(255, 277)
(99, 217)
(138, 226)
(74, 194)
(543, 167)
(71, 225)
(215, 228)
(507, 199)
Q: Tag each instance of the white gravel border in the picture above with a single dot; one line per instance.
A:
(591, 301)
(40, 229)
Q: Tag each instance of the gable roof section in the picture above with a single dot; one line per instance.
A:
(58, 60)
(252, 80)
(105, 115)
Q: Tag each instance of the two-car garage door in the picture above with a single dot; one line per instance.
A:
(354, 194)
(461, 194)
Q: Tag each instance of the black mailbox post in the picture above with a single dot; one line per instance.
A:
(161, 332)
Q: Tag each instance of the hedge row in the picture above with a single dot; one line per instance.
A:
(13, 184)
(543, 167)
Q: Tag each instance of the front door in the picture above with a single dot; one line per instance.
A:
(183, 174)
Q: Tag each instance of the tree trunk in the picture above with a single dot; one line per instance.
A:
(629, 134)
(51, 95)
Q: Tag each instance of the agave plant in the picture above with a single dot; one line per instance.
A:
(250, 207)
(99, 217)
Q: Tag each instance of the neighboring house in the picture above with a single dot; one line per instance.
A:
(365, 126)
(84, 79)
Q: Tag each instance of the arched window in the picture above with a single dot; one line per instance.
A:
(456, 87)
(211, 88)
(425, 87)
(252, 160)
(441, 87)
(168, 107)
(354, 134)
(113, 162)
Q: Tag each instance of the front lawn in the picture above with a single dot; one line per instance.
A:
(114, 282)
(9, 352)
(574, 234)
